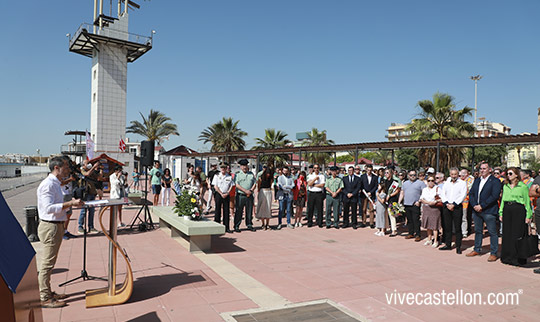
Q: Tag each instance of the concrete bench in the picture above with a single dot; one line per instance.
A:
(198, 233)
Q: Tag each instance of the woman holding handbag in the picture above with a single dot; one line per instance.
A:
(431, 211)
(516, 212)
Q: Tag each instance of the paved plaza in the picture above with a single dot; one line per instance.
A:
(302, 274)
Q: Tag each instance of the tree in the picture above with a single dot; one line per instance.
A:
(345, 158)
(273, 140)
(407, 159)
(439, 120)
(494, 155)
(225, 136)
(318, 138)
(155, 128)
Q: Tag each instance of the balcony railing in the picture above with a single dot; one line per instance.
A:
(111, 33)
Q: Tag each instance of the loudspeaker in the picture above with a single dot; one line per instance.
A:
(147, 153)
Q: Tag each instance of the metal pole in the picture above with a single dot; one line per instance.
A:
(393, 157)
(356, 156)
(472, 161)
(438, 152)
(112, 251)
(300, 160)
(258, 160)
(335, 159)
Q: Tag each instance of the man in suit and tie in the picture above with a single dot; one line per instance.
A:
(483, 197)
(369, 182)
(349, 194)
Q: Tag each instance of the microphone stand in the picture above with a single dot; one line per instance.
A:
(84, 274)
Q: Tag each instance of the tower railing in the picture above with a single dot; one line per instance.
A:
(111, 33)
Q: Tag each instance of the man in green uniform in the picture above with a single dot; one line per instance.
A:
(245, 182)
(333, 187)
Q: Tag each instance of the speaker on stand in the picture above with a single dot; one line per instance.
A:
(146, 162)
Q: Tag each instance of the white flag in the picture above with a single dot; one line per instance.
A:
(89, 147)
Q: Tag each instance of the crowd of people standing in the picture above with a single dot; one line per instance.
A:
(447, 209)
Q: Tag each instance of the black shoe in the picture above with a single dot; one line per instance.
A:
(354, 227)
(237, 230)
(537, 271)
(320, 226)
(251, 228)
(309, 224)
(336, 227)
(327, 227)
(458, 250)
(362, 225)
(446, 247)
(228, 231)
(372, 226)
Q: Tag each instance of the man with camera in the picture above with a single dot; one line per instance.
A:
(52, 214)
(90, 173)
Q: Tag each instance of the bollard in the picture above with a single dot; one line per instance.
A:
(32, 222)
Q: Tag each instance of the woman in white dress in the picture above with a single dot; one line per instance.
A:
(117, 182)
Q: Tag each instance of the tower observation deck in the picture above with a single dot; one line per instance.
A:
(110, 45)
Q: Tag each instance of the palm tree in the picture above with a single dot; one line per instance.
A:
(225, 136)
(273, 140)
(155, 128)
(439, 120)
(318, 138)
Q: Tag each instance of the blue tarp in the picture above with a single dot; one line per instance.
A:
(16, 251)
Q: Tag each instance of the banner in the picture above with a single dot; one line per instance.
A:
(89, 147)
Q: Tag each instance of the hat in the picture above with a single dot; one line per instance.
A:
(430, 170)
(334, 168)
(311, 166)
(223, 164)
(243, 162)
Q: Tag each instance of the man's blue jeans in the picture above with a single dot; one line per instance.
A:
(285, 203)
(491, 224)
(91, 211)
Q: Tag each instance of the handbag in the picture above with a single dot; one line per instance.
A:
(527, 245)
(438, 199)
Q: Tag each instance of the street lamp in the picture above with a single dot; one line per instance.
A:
(475, 79)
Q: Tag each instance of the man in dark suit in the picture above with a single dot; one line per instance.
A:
(369, 182)
(483, 197)
(350, 197)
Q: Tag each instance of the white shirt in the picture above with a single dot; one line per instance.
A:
(481, 186)
(454, 192)
(320, 179)
(368, 179)
(116, 186)
(50, 200)
(428, 194)
(223, 181)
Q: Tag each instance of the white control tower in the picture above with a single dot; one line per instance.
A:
(110, 45)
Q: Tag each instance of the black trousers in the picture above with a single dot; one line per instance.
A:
(514, 227)
(350, 205)
(315, 203)
(452, 219)
(222, 203)
(413, 220)
(243, 202)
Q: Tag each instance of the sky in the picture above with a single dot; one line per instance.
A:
(350, 67)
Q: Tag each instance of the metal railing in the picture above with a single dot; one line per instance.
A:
(12, 183)
(112, 33)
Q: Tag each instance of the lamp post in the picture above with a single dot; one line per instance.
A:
(475, 79)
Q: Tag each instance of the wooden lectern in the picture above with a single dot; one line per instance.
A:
(112, 294)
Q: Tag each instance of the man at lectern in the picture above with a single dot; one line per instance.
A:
(52, 214)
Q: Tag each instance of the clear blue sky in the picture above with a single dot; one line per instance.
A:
(350, 67)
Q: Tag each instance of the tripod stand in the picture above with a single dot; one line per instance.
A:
(147, 223)
(84, 274)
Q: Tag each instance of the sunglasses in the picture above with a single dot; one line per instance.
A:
(510, 173)
(431, 180)
(496, 173)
